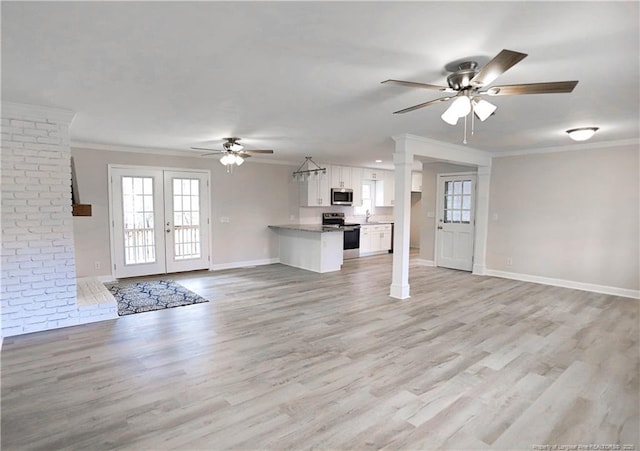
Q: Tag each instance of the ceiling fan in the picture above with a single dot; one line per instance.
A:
(233, 153)
(468, 84)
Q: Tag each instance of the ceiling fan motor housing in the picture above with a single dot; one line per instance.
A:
(461, 79)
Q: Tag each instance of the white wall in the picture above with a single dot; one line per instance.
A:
(416, 220)
(253, 197)
(571, 216)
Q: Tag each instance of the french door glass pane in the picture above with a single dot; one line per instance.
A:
(186, 218)
(138, 225)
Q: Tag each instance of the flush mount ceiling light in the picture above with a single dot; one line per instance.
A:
(582, 134)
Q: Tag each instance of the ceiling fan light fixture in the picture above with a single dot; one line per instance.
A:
(461, 106)
(483, 109)
(450, 116)
(238, 160)
(227, 159)
(235, 147)
(582, 134)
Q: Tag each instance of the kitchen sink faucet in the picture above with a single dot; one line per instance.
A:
(367, 216)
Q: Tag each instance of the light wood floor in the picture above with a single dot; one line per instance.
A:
(286, 359)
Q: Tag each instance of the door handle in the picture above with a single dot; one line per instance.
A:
(439, 227)
(168, 230)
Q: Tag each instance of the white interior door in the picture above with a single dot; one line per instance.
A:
(159, 220)
(455, 221)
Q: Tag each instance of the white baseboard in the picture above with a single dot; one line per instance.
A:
(604, 289)
(424, 262)
(106, 278)
(245, 264)
(479, 270)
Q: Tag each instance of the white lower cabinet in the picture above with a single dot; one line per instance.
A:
(375, 239)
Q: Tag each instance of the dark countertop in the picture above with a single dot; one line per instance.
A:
(318, 228)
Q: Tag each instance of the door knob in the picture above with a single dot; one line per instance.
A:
(439, 227)
(169, 230)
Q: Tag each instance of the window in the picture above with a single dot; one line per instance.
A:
(457, 202)
(368, 198)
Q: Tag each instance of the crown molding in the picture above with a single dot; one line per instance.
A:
(79, 145)
(26, 111)
(570, 148)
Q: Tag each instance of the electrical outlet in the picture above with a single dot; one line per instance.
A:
(494, 217)
(509, 261)
(96, 265)
(225, 220)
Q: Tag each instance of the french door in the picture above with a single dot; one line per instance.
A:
(456, 221)
(159, 221)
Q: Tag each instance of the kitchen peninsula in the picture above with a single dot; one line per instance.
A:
(312, 247)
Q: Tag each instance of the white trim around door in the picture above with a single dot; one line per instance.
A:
(159, 220)
(455, 220)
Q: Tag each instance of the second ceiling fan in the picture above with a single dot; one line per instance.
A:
(233, 153)
(469, 84)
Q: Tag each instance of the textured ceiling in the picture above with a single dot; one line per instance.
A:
(304, 78)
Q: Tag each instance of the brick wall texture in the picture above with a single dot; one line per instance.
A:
(38, 284)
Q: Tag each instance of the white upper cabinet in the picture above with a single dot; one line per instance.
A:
(341, 177)
(356, 184)
(371, 174)
(385, 189)
(416, 182)
(314, 191)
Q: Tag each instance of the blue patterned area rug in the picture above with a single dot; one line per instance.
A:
(153, 295)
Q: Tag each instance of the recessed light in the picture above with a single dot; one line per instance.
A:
(582, 134)
(378, 161)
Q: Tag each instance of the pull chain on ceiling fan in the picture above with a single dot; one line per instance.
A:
(467, 83)
(233, 153)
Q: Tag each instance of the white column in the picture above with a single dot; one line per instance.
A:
(38, 277)
(403, 161)
(482, 220)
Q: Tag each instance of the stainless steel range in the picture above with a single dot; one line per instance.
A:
(351, 233)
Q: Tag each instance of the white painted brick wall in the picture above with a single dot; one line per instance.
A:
(38, 280)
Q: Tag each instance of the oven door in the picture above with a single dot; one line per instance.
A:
(351, 242)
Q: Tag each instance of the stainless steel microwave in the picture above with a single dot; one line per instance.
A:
(341, 196)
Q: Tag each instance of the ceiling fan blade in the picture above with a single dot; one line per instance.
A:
(413, 84)
(501, 63)
(207, 149)
(257, 151)
(554, 87)
(422, 105)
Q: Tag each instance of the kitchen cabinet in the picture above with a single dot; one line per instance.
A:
(314, 191)
(375, 239)
(385, 189)
(371, 174)
(416, 182)
(341, 177)
(356, 184)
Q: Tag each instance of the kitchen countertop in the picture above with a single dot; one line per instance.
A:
(319, 228)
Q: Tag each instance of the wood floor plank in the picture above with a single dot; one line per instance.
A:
(282, 358)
